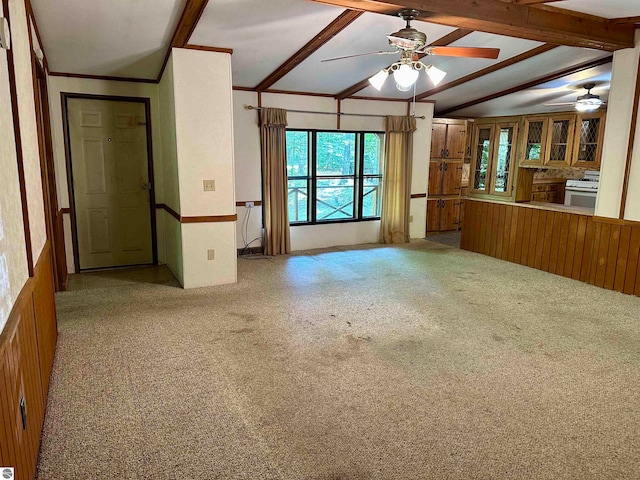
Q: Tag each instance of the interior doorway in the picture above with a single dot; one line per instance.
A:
(110, 173)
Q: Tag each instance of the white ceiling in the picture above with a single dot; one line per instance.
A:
(129, 38)
(602, 8)
(107, 37)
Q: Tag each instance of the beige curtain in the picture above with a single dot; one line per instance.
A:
(396, 182)
(273, 124)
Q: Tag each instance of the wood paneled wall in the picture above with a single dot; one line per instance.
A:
(27, 346)
(600, 251)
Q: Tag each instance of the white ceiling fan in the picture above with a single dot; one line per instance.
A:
(411, 44)
(584, 103)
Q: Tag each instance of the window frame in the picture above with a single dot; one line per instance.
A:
(358, 176)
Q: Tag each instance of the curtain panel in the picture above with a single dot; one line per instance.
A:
(396, 180)
(273, 125)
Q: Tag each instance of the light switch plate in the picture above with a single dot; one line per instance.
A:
(211, 254)
(209, 185)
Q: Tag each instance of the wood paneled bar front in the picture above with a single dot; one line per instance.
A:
(600, 251)
(27, 347)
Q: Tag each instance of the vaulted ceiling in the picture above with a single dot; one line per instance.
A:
(278, 45)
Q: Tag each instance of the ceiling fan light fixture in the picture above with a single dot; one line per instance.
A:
(377, 81)
(588, 105)
(405, 76)
(435, 74)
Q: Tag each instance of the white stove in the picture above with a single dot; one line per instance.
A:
(583, 192)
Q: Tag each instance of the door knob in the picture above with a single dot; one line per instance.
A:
(146, 186)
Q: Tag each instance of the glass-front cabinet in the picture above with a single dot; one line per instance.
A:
(535, 136)
(587, 148)
(560, 138)
(482, 152)
(505, 142)
(493, 162)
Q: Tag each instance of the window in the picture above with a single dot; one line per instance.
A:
(334, 176)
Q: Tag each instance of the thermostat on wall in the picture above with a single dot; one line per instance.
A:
(5, 36)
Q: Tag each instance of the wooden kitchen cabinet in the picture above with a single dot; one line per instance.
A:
(494, 158)
(563, 140)
(445, 177)
(443, 201)
(448, 138)
(534, 143)
(548, 192)
(589, 132)
(560, 140)
(443, 214)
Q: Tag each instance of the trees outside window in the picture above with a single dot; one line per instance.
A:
(334, 176)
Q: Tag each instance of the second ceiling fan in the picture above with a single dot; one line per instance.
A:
(412, 45)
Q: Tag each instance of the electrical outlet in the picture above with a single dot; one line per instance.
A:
(410, 218)
(249, 204)
(211, 254)
(209, 185)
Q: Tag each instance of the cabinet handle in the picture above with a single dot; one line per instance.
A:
(446, 152)
(440, 167)
(446, 167)
(442, 153)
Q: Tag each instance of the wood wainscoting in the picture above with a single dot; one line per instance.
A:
(597, 250)
(27, 347)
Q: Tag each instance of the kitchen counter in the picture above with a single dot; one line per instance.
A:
(554, 207)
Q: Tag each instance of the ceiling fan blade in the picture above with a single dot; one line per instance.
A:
(558, 104)
(382, 52)
(469, 52)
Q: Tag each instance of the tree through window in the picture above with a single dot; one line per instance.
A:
(334, 175)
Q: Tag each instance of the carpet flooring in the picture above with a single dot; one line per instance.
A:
(413, 362)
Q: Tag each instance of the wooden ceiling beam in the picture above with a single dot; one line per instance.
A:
(186, 25)
(330, 31)
(486, 71)
(548, 78)
(441, 42)
(511, 19)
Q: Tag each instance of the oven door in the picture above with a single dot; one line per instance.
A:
(580, 197)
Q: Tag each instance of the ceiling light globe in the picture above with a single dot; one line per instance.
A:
(435, 74)
(588, 105)
(378, 79)
(405, 77)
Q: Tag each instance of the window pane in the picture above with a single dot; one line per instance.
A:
(298, 201)
(334, 199)
(297, 154)
(371, 197)
(503, 161)
(373, 148)
(335, 153)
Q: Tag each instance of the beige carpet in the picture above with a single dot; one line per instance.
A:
(421, 362)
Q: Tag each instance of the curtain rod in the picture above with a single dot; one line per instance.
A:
(251, 107)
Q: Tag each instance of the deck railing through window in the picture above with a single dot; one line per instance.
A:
(298, 200)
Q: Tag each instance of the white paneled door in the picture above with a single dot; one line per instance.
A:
(111, 185)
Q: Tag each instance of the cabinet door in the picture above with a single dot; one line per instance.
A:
(435, 178)
(480, 163)
(451, 178)
(559, 140)
(503, 152)
(433, 215)
(456, 141)
(535, 134)
(539, 197)
(438, 140)
(587, 148)
(449, 214)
